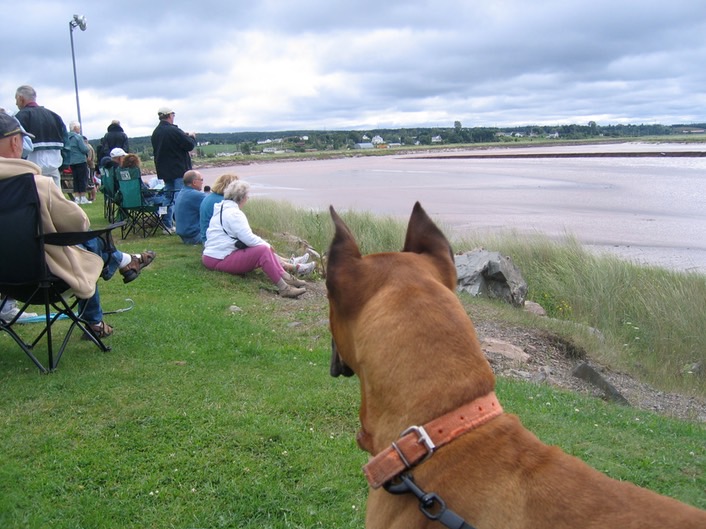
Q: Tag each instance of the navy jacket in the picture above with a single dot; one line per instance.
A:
(47, 126)
(171, 147)
(115, 137)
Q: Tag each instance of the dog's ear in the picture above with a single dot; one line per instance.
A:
(343, 258)
(424, 237)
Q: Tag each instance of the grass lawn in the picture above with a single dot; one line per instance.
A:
(215, 408)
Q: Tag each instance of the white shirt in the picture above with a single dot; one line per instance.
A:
(220, 244)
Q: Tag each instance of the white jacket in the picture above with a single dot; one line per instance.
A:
(219, 243)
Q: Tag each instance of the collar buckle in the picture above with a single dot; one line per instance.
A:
(423, 438)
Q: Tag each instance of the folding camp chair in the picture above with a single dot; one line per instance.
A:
(109, 187)
(24, 275)
(141, 218)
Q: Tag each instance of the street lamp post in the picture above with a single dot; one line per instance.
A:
(79, 21)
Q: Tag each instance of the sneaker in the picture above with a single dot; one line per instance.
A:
(299, 260)
(77, 200)
(138, 262)
(83, 200)
(305, 269)
(9, 313)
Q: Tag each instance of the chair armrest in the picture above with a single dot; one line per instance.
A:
(71, 238)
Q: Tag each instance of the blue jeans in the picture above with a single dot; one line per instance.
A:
(90, 309)
(171, 188)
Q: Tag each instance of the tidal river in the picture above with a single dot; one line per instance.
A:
(640, 201)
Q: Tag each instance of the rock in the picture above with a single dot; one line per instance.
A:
(506, 349)
(535, 308)
(484, 273)
(587, 373)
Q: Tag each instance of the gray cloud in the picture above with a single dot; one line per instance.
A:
(276, 65)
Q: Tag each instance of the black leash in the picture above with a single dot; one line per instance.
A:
(431, 505)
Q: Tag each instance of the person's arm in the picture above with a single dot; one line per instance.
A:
(237, 225)
(66, 216)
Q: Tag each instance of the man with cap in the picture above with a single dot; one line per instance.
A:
(79, 266)
(49, 132)
(171, 147)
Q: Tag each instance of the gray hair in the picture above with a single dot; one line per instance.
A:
(26, 91)
(236, 191)
(74, 125)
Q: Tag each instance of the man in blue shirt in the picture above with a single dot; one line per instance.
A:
(187, 208)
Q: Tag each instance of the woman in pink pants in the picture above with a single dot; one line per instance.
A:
(232, 247)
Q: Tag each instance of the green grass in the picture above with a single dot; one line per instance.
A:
(204, 416)
(652, 319)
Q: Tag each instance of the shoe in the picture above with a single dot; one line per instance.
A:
(100, 330)
(169, 231)
(291, 292)
(299, 260)
(293, 281)
(77, 200)
(138, 262)
(9, 313)
(83, 200)
(305, 269)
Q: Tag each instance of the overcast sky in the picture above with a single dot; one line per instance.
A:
(332, 64)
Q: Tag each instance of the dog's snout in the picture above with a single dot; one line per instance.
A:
(338, 366)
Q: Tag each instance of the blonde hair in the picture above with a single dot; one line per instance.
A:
(236, 191)
(219, 186)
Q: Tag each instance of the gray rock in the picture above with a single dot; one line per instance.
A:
(485, 273)
(587, 373)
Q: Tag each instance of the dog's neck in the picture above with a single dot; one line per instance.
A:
(386, 412)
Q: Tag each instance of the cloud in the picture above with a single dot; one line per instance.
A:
(276, 65)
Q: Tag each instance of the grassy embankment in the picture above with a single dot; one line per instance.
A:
(207, 416)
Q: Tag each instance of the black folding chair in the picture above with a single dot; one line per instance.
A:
(24, 275)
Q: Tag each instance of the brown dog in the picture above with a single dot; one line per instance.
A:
(397, 324)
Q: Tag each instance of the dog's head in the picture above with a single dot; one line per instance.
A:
(352, 279)
(396, 321)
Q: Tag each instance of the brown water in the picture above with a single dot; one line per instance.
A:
(648, 209)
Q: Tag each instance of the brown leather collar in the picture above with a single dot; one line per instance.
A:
(417, 443)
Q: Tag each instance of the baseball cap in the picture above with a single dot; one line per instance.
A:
(165, 111)
(9, 126)
(117, 152)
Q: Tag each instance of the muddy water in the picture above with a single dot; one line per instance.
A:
(647, 209)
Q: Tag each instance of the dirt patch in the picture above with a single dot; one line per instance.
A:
(551, 361)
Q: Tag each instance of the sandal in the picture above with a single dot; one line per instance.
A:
(99, 330)
(138, 262)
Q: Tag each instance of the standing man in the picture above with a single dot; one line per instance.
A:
(48, 129)
(115, 137)
(187, 208)
(172, 160)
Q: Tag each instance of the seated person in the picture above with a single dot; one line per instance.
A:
(232, 247)
(302, 266)
(214, 197)
(149, 197)
(186, 208)
(79, 266)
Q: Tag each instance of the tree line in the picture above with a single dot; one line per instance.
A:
(302, 140)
